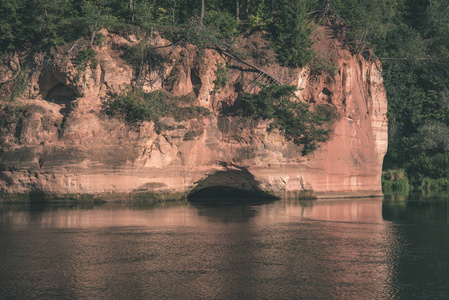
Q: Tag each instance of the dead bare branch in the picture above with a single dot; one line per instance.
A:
(235, 57)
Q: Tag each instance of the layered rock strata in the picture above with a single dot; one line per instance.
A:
(56, 140)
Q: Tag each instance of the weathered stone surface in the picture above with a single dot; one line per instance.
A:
(70, 146)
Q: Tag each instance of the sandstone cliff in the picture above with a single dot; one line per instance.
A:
(56, 140)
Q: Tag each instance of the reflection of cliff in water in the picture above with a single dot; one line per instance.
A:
(366, 210)
(83, 215)
(226, 213)
(416, 210)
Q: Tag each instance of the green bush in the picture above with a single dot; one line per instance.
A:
(19, 85)
(428, 185)
(394, 175)
(201, 36)
(191, 135)
(327, 111)
(426, 173)
(142, 57)
(395, 181)
(293, 118)
(223, 22)
(323, 65)
(222, 77)
(86, 57)
(259, 19)
(436, 166)
(136, 106)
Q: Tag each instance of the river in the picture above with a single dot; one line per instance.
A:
(345, 249)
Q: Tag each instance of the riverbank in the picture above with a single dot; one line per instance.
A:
(144, 197)
(399, 182)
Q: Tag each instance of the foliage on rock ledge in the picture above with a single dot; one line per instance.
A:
(411, 39)
(136, 106)
(222, 77)
(293, 118)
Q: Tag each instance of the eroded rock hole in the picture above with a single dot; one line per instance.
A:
(326, 92)
(52, 89)
(196, 81)
(62, 95)
(229, 186)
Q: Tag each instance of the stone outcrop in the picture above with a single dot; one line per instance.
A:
(56, 140)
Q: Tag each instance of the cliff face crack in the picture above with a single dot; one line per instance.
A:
(196, 81)
(61, 127)
(41, 163)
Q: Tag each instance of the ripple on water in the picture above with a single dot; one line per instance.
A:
(282, 250)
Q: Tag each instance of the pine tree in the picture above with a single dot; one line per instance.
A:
(292, 34)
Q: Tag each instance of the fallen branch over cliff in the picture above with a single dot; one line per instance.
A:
(235, 57)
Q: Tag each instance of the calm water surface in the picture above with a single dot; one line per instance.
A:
(354, 249)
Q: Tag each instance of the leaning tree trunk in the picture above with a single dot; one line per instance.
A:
(202, 12)
(92, 38)
(173, 12)
(237, 10)
(131, 7)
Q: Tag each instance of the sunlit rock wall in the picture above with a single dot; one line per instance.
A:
(57, 141)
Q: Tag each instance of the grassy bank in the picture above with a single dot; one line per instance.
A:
(399, 182)
(395, 182)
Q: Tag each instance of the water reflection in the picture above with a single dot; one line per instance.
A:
(182, 213)
(226, 213)
(284, 249)
(415, 209)
(352, 210)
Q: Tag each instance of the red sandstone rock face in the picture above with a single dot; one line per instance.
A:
(350, 163)
(79, 150)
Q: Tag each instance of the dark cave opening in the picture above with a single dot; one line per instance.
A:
(196, 81)
(230, 186)
(62, 95)
(228, 194)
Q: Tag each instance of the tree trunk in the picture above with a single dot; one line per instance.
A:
(327, 10)
(202, 12)
(131, 7)
(173, 12)
(235, 57)
(237, 10)
(92, 38)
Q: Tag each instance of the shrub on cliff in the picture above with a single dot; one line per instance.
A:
(222, 77)
(136, 106)
(293, 118)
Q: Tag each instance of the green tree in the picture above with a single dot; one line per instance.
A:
(291, 34)
(18, 23)
(293, 118)
(259, 16)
